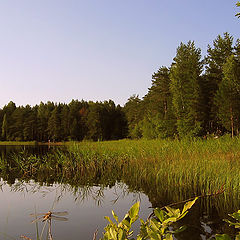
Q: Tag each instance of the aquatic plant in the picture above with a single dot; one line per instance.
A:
(157, 227)
(236, 224)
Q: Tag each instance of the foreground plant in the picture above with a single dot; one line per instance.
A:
(121, 230)
(236, 224)
(157, 227)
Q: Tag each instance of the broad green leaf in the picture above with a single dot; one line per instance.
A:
(172, 212)
(152, 234)
(159, 214)
(134, 210)
(188, 205)
(169, 220)
(154, 226)
(222, 237)
(155, 221)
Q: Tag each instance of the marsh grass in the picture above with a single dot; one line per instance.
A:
(16, 143)
(31, 143)
(170, 170)
(173, 169)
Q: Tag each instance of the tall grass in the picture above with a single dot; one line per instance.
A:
(166, 170)
(175, 169)
(16, 143)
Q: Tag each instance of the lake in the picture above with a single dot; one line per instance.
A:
(87, 202)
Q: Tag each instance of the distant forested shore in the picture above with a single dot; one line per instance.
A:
(194, 97)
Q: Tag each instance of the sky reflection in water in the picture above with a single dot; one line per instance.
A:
(87, 208)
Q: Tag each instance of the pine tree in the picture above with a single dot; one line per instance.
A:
(216, 58)
(65, 123)
(134, 115)
(185, 76)
(227, 98)
(54, 124)
(4, 127)
(159, 120)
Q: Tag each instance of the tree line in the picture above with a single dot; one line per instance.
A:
(77, 121)
(195, 96)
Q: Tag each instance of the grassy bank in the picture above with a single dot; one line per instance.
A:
(29, 143)
(164, 169)
(177, 168)
(16, 143)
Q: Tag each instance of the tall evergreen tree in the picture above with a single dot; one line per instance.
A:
(17, 121)
(9, 110)
(134, 114)
(4, 127)
(95, 131)
(185, 88)
(159, 120)
(54, 125)
(30, 123)
(216, 58)
(42, 122)
(227, 98)
(65, 122)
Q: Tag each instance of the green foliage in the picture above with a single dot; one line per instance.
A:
(134, 114)
(121, 230)
(4, 127)
(156, 127)
(185, 88)
(216, 58)
(227, 98)
(159, 119)
(236, 224)
(152, 229)
(238, 5)
(61, 122)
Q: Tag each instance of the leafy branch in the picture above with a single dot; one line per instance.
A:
(155, 228)
(238, 5)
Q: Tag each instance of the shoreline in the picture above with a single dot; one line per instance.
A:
(30, 143)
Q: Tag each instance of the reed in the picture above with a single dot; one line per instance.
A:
(175, 169)
(166, 170)
(16, 143)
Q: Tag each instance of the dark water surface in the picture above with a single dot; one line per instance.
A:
(87, 204)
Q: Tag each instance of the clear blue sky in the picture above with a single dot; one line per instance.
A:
(60, 50)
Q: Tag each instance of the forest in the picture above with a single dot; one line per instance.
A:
(194, 97)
